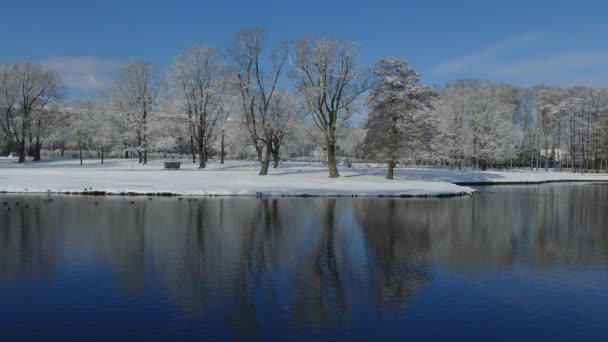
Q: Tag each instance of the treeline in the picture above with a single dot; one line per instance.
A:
(298, 101)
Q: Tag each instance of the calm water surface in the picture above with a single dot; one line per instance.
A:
(512, 263)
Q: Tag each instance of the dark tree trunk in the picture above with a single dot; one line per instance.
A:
(391, 168)
(192, 149)
(145, 154)
(546, 157)
(80, 152)
(22, 151)
(276, 147)
(275, 158)
(102, 155)
(331, 160)
(222, 150)
(202, 157)
(37, 149)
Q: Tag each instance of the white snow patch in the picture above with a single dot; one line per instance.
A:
(237, 178)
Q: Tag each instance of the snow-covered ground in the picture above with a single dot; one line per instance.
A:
(241, 178)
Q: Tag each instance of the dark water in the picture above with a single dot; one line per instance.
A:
(512, 263)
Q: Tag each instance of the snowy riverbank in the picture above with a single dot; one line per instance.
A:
(239, 178)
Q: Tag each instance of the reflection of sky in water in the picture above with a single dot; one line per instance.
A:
(512, 261)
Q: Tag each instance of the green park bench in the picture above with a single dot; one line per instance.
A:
(172, 165)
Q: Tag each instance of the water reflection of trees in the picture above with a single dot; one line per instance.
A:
(307, 261)
(533, 226)
(399, 249)
(27, 246)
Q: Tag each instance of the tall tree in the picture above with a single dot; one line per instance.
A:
(199, 88)
(256, 87)
(36, 89)
(397, 96)
(330, 81)
(548, 107)
(135, 94)
(8, 101)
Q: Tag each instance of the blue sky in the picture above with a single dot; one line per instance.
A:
(520, 42)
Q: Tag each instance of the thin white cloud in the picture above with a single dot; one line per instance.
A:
(526, 60)
(553, 64)
(487, 55)
(88, 75)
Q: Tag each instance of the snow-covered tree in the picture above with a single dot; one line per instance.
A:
(548, 108)
(135, 96)
(397, 124)
(104, 121)
(477, 121)
(8, 103)
(332, 84)
(256, 85)
(79, 115)
(198, 91)
(26, 91)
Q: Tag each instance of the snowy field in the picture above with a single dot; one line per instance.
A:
(240, 178)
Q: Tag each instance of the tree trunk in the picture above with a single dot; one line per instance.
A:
(102, 155)
(265, 163)
(275, 158)
(331, 160)
(202, 158)
(22, 151)
(391, 167)
(145, 156)
(260, 152)
(546, 155)
(192, 149)
(573, 157)
(583, 158)
(80, 151)
(37, 149)
(222, 149)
